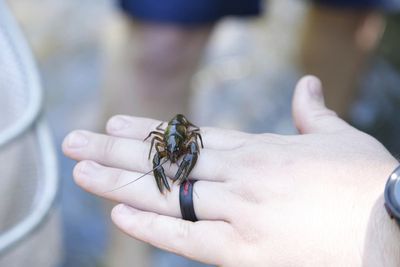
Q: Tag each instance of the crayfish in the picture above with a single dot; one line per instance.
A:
(178, 140)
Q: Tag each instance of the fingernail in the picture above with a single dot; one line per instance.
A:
(77, 140)
(124, 209)
(314, 88)
(118, 123)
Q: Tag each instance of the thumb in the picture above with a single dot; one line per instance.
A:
(309, 111)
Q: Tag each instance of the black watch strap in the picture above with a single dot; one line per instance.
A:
(392, 195)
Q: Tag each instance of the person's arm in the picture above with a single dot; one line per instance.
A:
(381, 239)
(313, 199)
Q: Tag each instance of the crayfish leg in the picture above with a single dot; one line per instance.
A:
(152, 144)
(157, 134)
(159, 174)
(159, 127)
(201, 139)
(195, 134)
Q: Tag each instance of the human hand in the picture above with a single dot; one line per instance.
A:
(313, 199)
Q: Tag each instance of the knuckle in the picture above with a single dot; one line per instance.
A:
(147, 224)
(248, 159)
(323, 115)
(183, 230)
(322, 112)
(141, 229)
(118, 179)
(109, 147)
(245, 194)
(152, 221)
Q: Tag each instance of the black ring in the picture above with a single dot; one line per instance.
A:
(186, 200)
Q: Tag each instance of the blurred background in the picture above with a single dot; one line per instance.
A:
(96, 60)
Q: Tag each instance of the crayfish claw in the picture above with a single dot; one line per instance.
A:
(159, 174)
(161, 181)
(187, 164)
(181, 171)
(159, 184)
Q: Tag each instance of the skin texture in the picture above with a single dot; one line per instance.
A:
(313, 199)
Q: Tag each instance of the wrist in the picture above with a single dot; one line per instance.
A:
(382, 240)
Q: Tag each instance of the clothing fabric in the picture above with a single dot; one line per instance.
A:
(195, 12)
(384, 5)
(189, 12)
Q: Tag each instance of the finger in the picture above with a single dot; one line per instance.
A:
(309, 111)
(209, 198)
(205, 241)
(132, 154)
(139, 128)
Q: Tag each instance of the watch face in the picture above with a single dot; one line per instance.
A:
(392, 194)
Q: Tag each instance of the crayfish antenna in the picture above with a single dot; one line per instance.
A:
(140, 177)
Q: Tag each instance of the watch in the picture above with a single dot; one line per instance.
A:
(392, 195)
